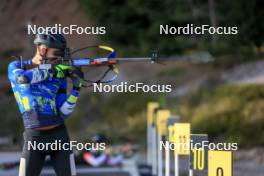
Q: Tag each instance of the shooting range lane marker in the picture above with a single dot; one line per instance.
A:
(170, 134)
(220, 163)
(182, 138)
(162, 116)
(154, 144)
(182, 141)
(150, 112)
(154, 151)
(198, 158)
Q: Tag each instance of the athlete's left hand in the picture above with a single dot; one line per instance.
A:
(77, 78)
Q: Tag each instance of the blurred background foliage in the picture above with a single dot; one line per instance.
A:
(232, 113)
(133, 26)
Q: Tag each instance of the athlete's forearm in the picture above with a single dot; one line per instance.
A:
(21, 76)
(68, 106)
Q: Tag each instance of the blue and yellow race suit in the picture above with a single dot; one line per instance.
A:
(42, 98)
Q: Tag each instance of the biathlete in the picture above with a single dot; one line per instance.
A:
(42, 99)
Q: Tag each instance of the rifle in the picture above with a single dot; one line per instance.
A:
(110, 61)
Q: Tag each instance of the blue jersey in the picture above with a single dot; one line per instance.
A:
(41, 98)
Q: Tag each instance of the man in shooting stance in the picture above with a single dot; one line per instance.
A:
(41, 95)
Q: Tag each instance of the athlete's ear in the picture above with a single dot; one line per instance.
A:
(41, 49)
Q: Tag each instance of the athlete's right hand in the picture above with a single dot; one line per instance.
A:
(61, 71)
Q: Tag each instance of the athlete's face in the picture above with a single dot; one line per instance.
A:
(51, 54)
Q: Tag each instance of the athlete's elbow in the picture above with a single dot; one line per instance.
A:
(16, 74)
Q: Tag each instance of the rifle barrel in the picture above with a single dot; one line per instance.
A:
(132, 58)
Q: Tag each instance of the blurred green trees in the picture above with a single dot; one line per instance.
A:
(133, 26)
